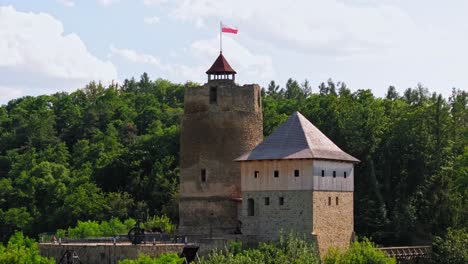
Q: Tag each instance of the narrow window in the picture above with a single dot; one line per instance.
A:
(337, 200)
(250, 207)
(344, 174)
(323, 173)
(213, 95)
(203, 175)
(334, 174)
(329, 201)
(281, 200)
(267, 200)
(276, 174)
(256, 174)
(296, 173)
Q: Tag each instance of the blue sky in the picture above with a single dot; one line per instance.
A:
(60, 45)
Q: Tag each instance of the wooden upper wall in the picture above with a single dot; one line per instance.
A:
(310, 175)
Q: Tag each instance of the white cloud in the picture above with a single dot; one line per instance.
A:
(320, 26)
(107, 2)
(68, 3)
(252, 68)
(172, 71)
(154, 2)
(9, 93)
(136, 57)
(151, 20)
(37, 53)
(367, 43)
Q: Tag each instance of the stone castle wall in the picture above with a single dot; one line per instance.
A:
(213, 134)
(295, 215)
(210, 216)
(333, 224)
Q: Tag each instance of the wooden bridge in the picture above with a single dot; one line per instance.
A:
(417, 254)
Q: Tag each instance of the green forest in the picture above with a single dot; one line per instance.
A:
(105, 152)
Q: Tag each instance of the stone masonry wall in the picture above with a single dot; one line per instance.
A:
(333, 224)
(212, 216)
(213, 134)
(269, 220)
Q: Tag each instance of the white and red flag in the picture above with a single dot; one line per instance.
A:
(228, 29)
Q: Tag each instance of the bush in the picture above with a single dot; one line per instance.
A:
(21, 250)
(113, 227)
(453, 248)
(170, 258)
(129, 223)
(86, 229)
(359, 253)
(162, 222)
(291, 250)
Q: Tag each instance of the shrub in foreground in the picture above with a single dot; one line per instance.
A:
(170, 258)
(359, 253)
(291, 250)
(22, 250)
(160, 222)
(113, 227)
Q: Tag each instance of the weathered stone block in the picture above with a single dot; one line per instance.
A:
(268, 221)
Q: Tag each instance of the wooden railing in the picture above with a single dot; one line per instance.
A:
(408, 253)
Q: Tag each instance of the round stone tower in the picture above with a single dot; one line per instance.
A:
(221, 121)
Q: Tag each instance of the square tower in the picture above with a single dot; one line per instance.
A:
(221, 121)
(298, 180)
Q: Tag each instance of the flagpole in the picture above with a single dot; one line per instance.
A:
(220, 37)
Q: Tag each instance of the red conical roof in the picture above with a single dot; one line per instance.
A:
(221, 66)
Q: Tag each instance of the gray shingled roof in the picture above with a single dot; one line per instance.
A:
(297, 138)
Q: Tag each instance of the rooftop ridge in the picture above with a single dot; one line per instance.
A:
(297, 138)
(312, 128)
